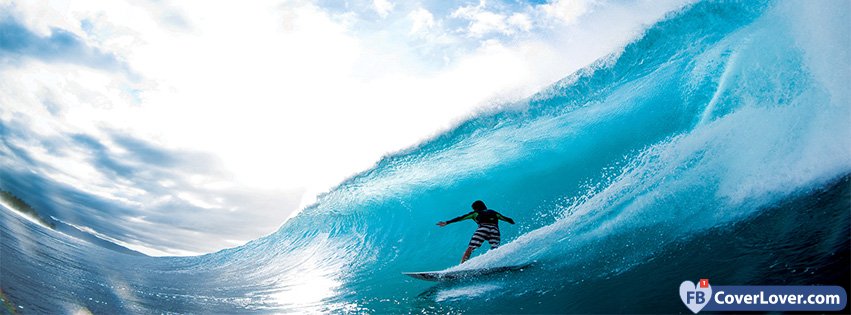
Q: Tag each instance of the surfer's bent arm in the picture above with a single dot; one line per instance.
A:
(504, 218)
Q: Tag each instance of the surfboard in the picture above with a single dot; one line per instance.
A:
(463, 274)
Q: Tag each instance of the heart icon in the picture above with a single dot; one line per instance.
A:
(693, 297)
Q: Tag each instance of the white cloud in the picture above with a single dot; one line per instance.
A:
(483, 21)
(520, 21)
(421, 20)
(382, 7)
(567, 11)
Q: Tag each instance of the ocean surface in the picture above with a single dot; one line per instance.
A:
(715, 145)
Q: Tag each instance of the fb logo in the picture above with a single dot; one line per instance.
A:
(695, 297)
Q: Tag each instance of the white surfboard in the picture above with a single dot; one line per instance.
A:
(463, 274)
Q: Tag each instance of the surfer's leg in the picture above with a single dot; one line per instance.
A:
(478, 237)
(467, 254)
(489, 233)
(494, 239)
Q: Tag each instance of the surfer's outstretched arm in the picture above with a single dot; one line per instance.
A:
(470, 215)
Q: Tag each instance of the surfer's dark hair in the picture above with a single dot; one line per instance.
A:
(479, 205)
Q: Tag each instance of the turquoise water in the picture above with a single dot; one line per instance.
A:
(715, 145)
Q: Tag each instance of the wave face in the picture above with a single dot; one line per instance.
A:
(715, 145)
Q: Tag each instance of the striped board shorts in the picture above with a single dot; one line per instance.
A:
(489, 232)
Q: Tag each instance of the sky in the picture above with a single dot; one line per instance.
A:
(186, 127)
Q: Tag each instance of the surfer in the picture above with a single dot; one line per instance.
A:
(488, 221)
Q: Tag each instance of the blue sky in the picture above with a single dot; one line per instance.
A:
(185, 127)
